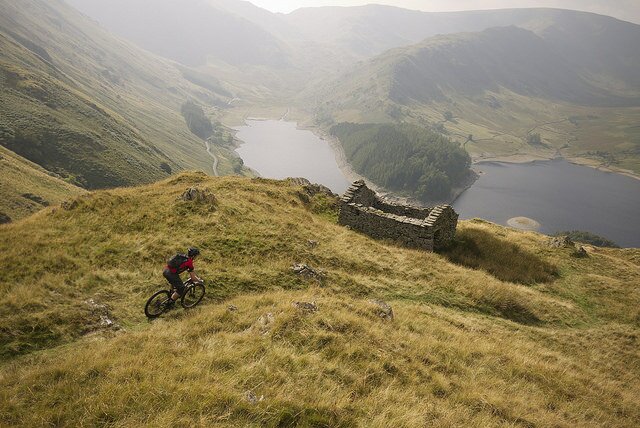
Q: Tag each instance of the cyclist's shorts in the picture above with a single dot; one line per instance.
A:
(174, 280)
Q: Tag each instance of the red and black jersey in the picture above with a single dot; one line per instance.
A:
(186, 266)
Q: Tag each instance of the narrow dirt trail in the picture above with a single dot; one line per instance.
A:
(215, 158)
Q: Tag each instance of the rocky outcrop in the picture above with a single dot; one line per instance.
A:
(199, 195)
(383, 309)
(309, 307)
(4, 218)
(307, 271)
(415, 227)
(561, 242)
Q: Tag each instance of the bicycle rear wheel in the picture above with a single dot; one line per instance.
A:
(192, 296)
(157, 304)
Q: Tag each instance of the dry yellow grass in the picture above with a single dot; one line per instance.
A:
(465, 348)
(22, 180)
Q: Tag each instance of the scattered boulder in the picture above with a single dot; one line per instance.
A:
(561, 242)
(262, 324)
(310, 189)
(383, 309)
(298, 181)
(252, 398)
(308, 272)
(102, 312)
(580, 252)
(198, 195)
(309, 307)
(35, 198)
(70, 205)
(232, 308)
(312, 244)
(4, 218)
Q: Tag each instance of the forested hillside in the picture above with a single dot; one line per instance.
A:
(405, 158)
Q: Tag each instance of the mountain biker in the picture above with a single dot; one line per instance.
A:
(178, 264)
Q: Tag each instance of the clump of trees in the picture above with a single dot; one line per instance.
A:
(588, 238)
(196, 120)
(534, 139)
(405, 157)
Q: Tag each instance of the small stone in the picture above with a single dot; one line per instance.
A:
(69, 205)
(561, 242)
(252, 398)
(312, 244)
(198, 195)
(310, 307)
(4, 218)
(384, 310)
(105, 321)
(262, 324)
(580, 252)
(307, 271)
(232, 308)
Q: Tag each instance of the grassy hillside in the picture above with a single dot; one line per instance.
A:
(502, 330)
(26, 187)
(90, 107)
(492, 90)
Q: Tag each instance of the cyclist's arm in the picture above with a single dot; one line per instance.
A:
(194, 277)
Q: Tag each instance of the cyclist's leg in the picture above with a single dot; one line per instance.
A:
(176, 284)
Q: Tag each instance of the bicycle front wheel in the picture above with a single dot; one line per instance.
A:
(192, 296)
(157, 304)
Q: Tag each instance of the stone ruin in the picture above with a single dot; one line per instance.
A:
(424, 228)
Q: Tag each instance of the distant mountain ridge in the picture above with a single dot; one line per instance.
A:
(189, 31)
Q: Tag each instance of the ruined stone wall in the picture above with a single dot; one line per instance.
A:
(402, 210)
(359, 193)
(415, 227)
(443, 220)
(380, 225)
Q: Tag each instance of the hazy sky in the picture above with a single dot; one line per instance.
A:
(628, 10)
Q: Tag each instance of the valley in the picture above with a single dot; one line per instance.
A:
(132, 129)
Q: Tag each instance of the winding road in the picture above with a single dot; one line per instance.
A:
(215, 158)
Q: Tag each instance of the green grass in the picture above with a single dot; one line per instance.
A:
(466, 347)
(26, 187)
(95, 110)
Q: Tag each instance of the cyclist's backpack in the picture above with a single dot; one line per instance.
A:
(176, 261)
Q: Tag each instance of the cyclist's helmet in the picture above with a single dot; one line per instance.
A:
(192, 252)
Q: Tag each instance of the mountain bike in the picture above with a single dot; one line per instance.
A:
(161, 300)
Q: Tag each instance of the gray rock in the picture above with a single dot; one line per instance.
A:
(103, 315)
(252, 398)
(307, 271)
(198, 195)
(580, 252)
(383, 309)
(35, 198)
(4, 218)
(310, 307)
(561, 242)
(263, 324)
(70, 205)
(232, 308)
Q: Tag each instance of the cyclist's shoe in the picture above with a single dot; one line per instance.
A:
(170, 304)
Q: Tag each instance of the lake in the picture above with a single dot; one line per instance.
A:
(278, 149)
(558, 195)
